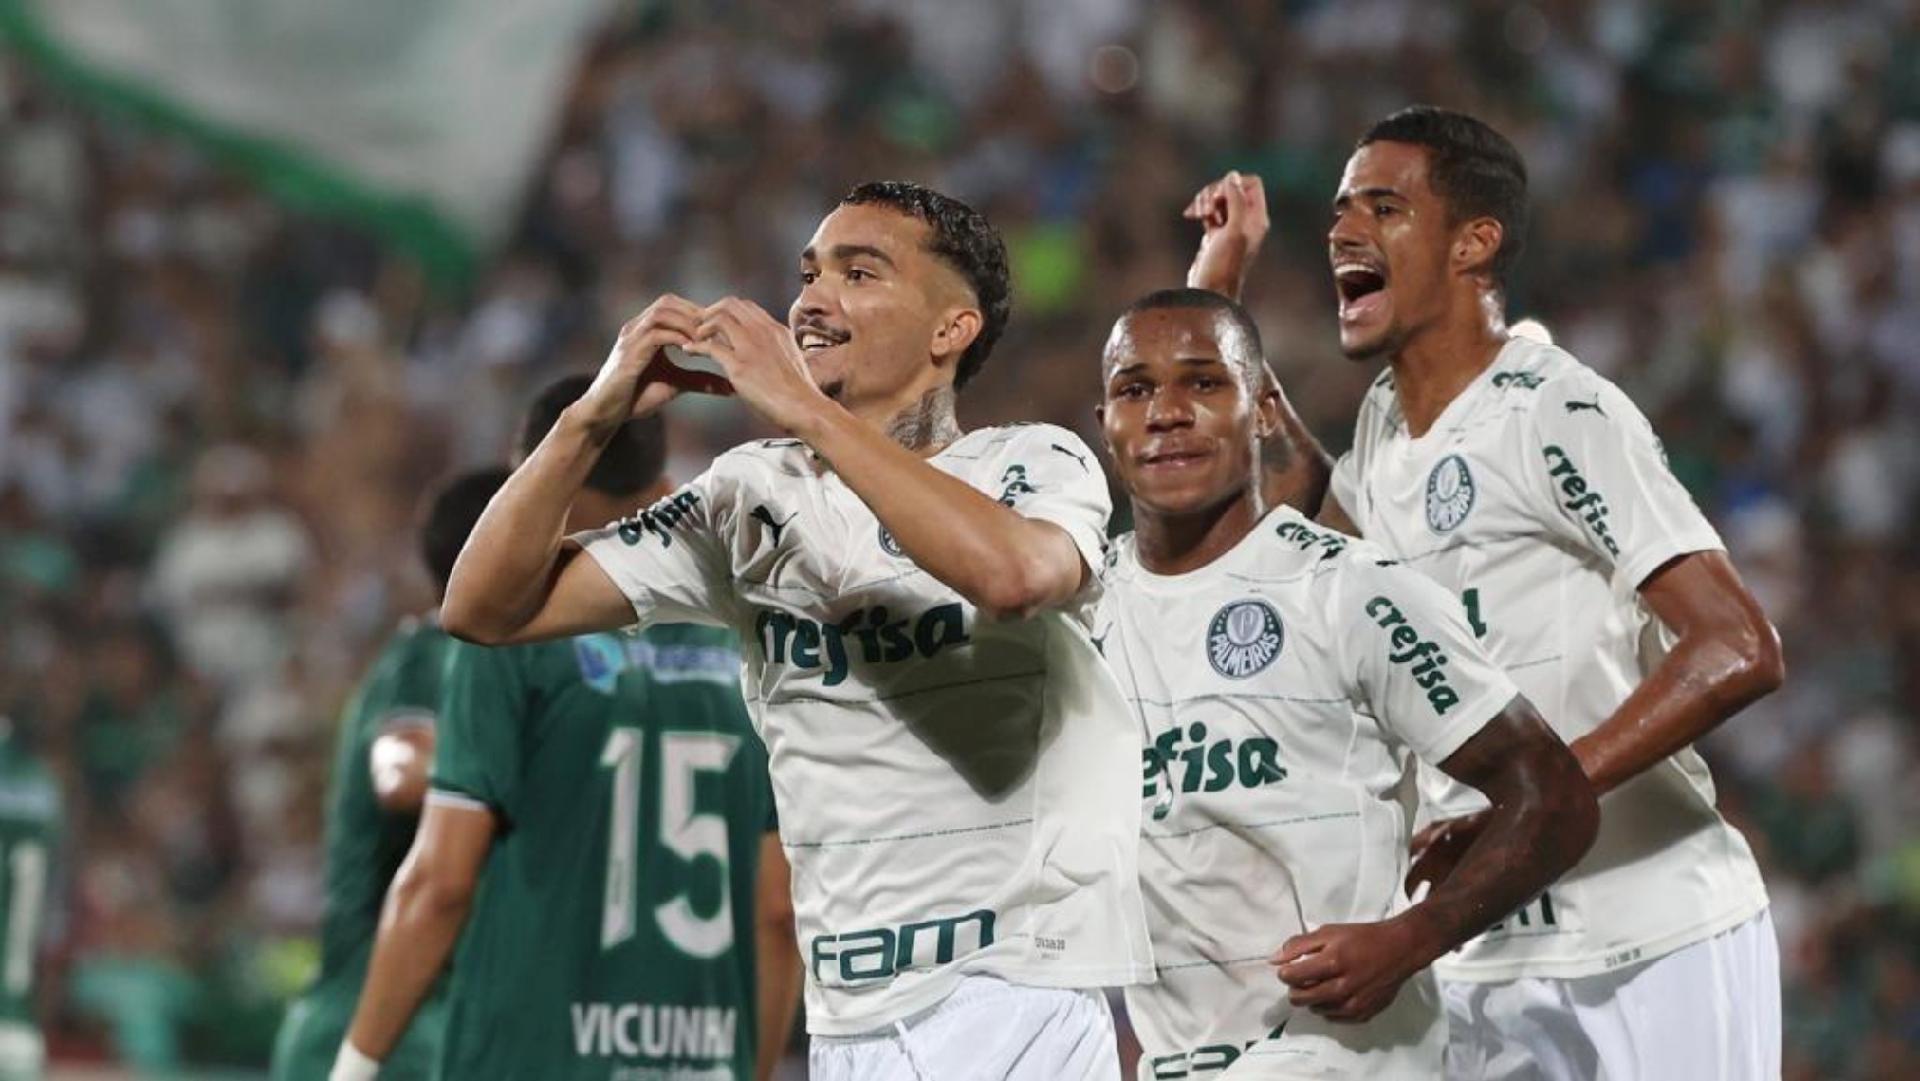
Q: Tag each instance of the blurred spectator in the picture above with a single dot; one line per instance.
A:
(225, 573)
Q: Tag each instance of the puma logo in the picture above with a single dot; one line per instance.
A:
(765, 517)
(1081, 458)
(1575, 407)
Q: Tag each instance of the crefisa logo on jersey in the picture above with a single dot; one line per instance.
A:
(1243, 638)
(1449, 494)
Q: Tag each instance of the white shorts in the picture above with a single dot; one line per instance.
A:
(987, 1030)
(1705, 1012)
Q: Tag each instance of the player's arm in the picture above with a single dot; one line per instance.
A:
(426, 907)
(1602, 481)
(1005, 563)
(1411, 662)
(1726, 656)
(1232, 212)
(398, 761)
(1542, 818)
(517, 579)
(777, 955)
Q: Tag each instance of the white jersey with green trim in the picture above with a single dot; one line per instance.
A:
(1543, 498)
(1285, 691)
(955, 793)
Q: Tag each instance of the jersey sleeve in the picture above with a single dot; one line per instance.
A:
(476, 754)
(1411, 660)
(1049, 474)
(670, 560)
(1601, 480)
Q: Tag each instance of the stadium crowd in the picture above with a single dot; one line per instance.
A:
(216, 417)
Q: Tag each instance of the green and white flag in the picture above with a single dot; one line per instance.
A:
(422, 117)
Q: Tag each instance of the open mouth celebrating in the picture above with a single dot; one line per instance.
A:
(1362, 287)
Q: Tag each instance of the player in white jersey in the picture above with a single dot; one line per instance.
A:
(1286, 679)
(1513, 475)
(951, 762)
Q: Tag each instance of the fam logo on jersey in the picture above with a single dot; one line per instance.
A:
(1243, 638)
(889, 545)
(1449, 494)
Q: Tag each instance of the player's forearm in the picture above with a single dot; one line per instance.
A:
(1001, 561)
(1541, 820)
(779, 996)
(1296, 469)
(1706, 678)
(418, 928)
(509, 561)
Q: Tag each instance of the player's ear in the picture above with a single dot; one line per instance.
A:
(1476, 243)
(1266, 404)
(956, 330)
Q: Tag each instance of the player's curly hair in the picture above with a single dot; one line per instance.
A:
(1472, 167)
(963, 239)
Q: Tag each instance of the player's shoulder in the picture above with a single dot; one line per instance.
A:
(1545, 382)
(1022, 437)
(759, 463)
(1289, 541)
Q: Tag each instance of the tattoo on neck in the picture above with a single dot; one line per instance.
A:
(926, 424)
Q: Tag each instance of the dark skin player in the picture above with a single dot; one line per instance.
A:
(1187, 409)
(1417, 286)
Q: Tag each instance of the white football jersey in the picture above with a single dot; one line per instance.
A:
(955, 793)
(1542, 498)
(1284, 692)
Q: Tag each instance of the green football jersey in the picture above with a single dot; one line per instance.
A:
(365, 846)
(29, 826)
(612, 935)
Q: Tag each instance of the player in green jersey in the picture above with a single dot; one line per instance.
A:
(29, 824)
(379, 780)
(599, 824)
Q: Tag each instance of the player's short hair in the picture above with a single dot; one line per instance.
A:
(1473, 168)
(632, 459)
(1245, 353)
(964, 240)
(451, 516)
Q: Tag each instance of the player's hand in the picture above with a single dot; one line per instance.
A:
(1233, 211)
(1351, 971)
(762, 362)
(1438, 848)
(637, 378)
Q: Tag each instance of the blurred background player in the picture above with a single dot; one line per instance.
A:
(1286, 678)
(380, 766)
(30, 822)
(951, 759)
(600, 827)
(1529, 485)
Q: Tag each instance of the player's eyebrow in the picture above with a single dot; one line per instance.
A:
(1346, 197)
(843, 253)
(1187, 362)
